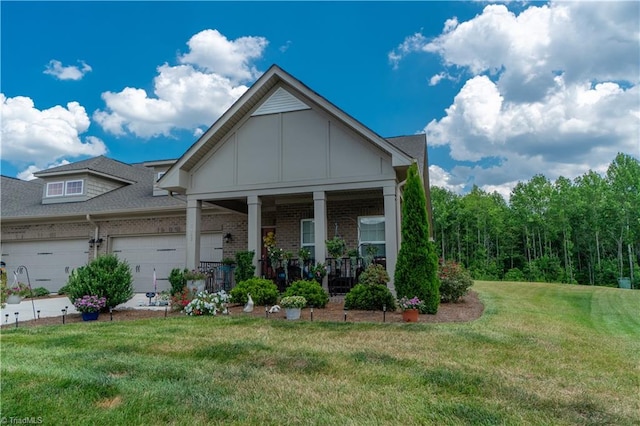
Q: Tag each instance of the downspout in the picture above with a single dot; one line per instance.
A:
(95, 235)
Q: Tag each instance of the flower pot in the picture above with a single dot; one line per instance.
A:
(13, 299)
(90, 316)
(293, 313)
(410, 315)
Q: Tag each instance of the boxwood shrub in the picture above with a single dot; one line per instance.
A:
(370, 297)
(312, 291)
(263, 291)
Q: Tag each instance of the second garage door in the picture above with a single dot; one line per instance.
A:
(162, 253)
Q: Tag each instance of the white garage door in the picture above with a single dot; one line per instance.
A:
(162, 253)
(49, 263)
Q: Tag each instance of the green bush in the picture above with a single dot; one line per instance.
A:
(455, 281)
(263, 291)
(374, 274)
(370, 297)
(40, 292)
(106, 277)
(177, 280)
(514, 274)
(244, 266)
(310, 290)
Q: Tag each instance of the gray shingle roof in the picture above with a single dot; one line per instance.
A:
(23, 199)
(414, 146)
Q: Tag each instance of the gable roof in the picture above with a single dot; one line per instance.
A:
(176, 177)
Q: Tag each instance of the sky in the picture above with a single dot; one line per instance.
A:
(503, 91)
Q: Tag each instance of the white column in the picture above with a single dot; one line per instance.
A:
(254, 228)
(390, 231)
(194, 215)
(320, 228)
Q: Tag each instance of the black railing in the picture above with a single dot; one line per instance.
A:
(343, 273)
(284, 272)
(220, 276)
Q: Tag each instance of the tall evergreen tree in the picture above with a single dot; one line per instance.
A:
(416, 271)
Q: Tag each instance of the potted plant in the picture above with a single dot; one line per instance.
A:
(16, 292)
(195, 278)
(318, 271)
(89, 306)
(293, 305)
(410, 308)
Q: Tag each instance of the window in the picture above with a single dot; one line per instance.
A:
(308, 236)
(159, 175)
(60, 189)
(372, 234)
(74, 187)
(55, 189)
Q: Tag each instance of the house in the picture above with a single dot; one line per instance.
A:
(282, 159)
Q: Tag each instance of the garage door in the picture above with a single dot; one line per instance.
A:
(49, 262)
(162, 253)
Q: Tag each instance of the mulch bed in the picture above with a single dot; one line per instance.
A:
(469, 308)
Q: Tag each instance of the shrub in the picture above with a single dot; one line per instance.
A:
(313, 292)
(40, 292)
(416, 272)
(514, 274)
(106, 277)
(181, 299)
(177, 280)
(263, 291)
(370, 297)
(244, 266)
(454, 281)
(3, 288)
(374, 274)
(206, 303)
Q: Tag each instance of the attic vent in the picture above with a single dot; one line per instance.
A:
(281, 101)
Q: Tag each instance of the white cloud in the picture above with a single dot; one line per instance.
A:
(39, 137)
(549, 94)
(443, 179)
(28, 173)
(71, 72)
(185, 96)
(214, 53)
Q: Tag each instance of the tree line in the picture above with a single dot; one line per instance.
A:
(585, 231)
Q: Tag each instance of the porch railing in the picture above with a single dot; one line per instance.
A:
(220, 276)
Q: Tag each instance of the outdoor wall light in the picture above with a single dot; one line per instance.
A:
(94, 242)
(228, 238)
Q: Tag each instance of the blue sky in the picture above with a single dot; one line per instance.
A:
(503, 91)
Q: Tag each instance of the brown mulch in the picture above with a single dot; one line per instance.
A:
(469, 308)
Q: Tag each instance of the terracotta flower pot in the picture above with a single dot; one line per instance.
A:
(410, 315)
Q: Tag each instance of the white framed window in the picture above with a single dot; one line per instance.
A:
(55, 189)
(372, 234)
(308, 236)
(159, 175)
(74, 187)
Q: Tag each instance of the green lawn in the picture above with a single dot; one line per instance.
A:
(541, 354)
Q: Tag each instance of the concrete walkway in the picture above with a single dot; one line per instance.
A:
(53, 306)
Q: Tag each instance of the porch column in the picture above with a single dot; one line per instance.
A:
(320, 227)
(391, 232)
(194, 217)
(254, 228)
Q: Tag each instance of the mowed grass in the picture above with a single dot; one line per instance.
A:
(541, 354)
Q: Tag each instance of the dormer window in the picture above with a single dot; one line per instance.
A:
(74, 187)
(67, 188)
(55, 189)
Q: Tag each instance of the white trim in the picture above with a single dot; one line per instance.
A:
(66, 187)
(302, 242)
(361, 242)
(49, 184)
